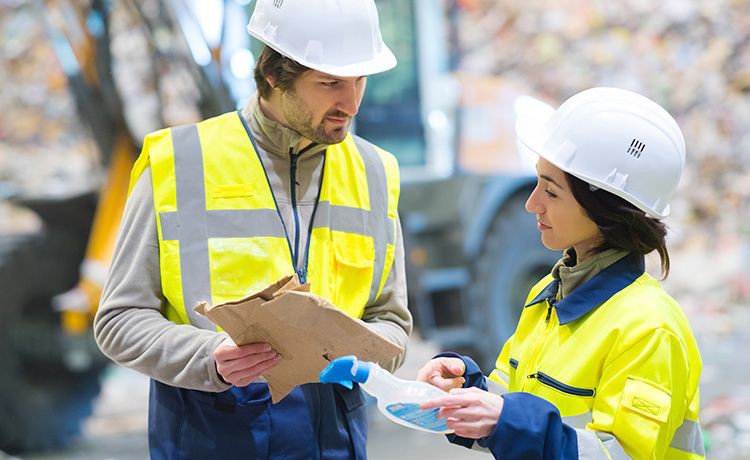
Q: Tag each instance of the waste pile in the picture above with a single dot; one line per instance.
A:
(694, 59)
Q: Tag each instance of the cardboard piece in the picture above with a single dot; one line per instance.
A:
(304, 328)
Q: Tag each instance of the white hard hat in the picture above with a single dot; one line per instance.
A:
(615, 140)
(338, 37)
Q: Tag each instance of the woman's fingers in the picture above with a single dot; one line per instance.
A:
(469, 412)
(444, 373)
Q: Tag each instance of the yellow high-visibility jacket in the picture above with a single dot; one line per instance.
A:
(617, 359)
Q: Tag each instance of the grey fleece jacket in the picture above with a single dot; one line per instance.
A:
(129, 326)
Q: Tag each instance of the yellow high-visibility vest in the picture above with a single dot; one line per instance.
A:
(221, 236)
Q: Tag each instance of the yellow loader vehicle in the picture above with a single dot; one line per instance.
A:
(51, 280)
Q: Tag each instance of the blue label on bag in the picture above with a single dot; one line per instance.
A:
(423, 418)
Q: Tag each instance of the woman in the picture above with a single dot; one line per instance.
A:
(603, 363)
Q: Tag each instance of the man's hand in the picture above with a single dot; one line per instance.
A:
(444, 373)
(469, 412)
(240, 365)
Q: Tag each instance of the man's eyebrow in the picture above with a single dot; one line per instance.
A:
(549, 179)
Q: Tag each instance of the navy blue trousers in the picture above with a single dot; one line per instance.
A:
(315, 421)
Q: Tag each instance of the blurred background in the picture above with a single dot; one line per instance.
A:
(84, 80)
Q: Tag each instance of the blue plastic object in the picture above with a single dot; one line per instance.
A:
(345, 371)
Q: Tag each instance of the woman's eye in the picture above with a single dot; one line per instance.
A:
(550, 194)
(329, 84)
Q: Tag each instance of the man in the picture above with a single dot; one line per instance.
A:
(223, 208)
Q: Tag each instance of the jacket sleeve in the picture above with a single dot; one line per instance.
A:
(529, 426)
(129, 326)
(643, 397)
(389, 314)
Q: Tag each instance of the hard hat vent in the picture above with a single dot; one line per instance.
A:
(636, 148)
(278, 3)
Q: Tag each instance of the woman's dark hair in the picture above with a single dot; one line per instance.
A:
(623, 225)
(284, 71)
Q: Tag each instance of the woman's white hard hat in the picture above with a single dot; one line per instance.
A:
(337, 37)
(615, 140)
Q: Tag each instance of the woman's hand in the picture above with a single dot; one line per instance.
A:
(444, 373)
(240, 365)
(469, 412)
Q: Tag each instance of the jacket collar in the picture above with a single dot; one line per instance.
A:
(593, 292)
(272, 136)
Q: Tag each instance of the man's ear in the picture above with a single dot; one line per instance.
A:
(271, 81)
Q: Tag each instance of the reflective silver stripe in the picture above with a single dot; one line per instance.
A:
(599, 445)
(382, 226)
(616, 452)
(191, 221)
(192, 224)
(689, 438)
(230, 223)
(496, 388)
(578, 421)
(342, 219)
(349, 220)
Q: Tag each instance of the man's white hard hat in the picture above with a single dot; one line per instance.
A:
(615, 140)
(338, 37)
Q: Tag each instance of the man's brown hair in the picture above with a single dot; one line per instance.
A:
(284, 71)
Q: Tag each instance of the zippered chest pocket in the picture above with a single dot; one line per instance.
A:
(550, 382)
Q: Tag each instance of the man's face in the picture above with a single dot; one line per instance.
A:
(321, 106)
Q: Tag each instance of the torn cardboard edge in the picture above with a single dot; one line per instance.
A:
(304, 328)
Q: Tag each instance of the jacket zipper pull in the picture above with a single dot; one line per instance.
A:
(532, 376)
(549, 313)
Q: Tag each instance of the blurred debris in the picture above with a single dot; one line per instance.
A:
(693, 58)
(44, 150)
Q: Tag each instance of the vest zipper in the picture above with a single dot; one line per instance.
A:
(557, 385)
(293, 184)
(300, 268)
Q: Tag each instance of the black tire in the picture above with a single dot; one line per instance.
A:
(511, 261)
(42, 401)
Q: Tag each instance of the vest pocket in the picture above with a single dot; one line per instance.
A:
(353, 267)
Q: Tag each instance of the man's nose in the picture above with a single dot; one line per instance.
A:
(349, 101)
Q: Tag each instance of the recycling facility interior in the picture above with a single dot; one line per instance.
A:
(691, 56)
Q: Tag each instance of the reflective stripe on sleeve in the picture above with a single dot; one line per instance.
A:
(598, 445)
(689, 438)
(496, 388)
(578, 421)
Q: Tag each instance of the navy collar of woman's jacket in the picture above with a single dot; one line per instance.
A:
(595, 291)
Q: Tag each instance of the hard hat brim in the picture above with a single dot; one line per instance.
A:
(383, 61)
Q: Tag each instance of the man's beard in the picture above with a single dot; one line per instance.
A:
(301, 120)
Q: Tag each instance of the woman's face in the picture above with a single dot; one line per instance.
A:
(561, 220)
